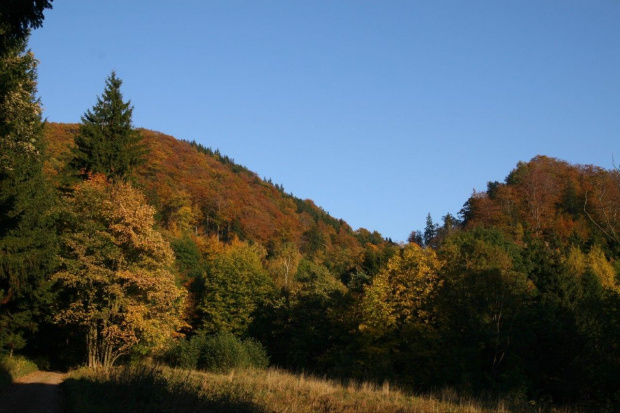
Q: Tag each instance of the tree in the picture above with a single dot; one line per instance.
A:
(27, 241)
(235, 284)
(602, 204)
(483, 308)
(399, 315)
(416, 238)
(107, 143)
(283, 264)
(17, 17)
(403, 292)
(430, 232)
(114, 282)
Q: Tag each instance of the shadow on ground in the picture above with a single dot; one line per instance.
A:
(30, 397)
(5, 376)
(84, 395)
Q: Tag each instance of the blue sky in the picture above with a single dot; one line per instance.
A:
(379, 111)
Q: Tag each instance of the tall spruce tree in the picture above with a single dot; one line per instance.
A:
(17, 17)
(27, 240)
(107, 143)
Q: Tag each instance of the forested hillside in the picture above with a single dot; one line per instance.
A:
(196, 189)
(518, 294)
(119, 246)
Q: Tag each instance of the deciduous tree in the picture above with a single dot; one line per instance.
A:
(115, 282)
(236, 282)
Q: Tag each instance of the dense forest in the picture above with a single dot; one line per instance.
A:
(119, 244)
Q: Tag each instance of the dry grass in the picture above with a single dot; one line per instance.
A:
(168, 390)
(282, 392)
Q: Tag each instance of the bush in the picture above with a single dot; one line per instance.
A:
(12, 367)
(221, 352)
(257, 356)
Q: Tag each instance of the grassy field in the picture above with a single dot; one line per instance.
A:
(154, 389)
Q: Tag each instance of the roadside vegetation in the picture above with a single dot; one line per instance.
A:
(12, 367)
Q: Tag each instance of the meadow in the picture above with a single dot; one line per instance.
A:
(162, 389)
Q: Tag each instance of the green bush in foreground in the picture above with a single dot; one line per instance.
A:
(12, 367)
(219, 353)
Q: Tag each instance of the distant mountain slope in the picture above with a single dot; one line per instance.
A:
(196, 188)
(551, 199)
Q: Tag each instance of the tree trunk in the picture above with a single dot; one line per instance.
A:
(92, 347)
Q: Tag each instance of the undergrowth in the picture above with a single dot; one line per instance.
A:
(12, 367)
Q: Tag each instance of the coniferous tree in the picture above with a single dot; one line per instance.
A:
(26, 235)
(17, 17)
(107, 143)
(430, 231)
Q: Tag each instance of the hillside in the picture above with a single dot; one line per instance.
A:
(517, 298)
(198, 189)
(550, 199)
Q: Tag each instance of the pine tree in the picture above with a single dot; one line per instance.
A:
(107, 143)
(27, 241)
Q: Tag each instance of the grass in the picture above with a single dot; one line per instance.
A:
(12, 367)
(159, 389)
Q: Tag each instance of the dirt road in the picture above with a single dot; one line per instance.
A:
(37, 392)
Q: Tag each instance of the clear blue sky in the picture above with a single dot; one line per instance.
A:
(379, 111)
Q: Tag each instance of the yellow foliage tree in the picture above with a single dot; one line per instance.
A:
(115, 281)
(595, 261)
(283, 266)
(403, 292)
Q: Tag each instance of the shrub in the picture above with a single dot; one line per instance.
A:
(12, 367)
(257, 356)
(221, 352)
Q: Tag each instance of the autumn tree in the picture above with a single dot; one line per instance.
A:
(283, 265)
(107, 143)
(399, 314)
(114, 282)
(602, 204)
(27, 240)
(416, 238)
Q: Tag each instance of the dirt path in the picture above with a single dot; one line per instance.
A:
(37, 392)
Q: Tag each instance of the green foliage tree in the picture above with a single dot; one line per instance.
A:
(302, 326)
(192, 269)
(27, 241)
(107, 143)
(483, 310)
(114, 282)
(236, 283)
